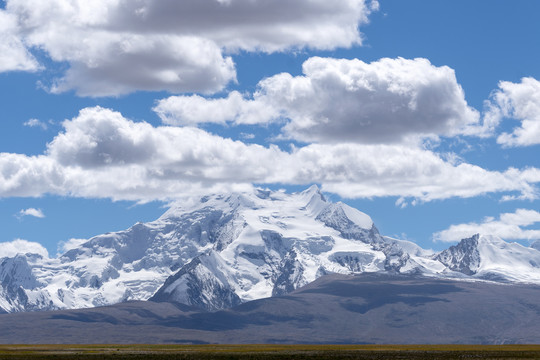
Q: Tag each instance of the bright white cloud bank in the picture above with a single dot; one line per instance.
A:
(19, 246)
(519, 101)
(100, 153)
(178, 46)
(339, 100)
(509, 226)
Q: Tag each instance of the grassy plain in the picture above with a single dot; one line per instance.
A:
(254, 352)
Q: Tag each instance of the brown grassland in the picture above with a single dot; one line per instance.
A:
(269, 352)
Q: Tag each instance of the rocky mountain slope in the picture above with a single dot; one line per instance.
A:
(224, 250)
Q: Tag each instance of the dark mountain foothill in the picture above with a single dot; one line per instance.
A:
(338, 309)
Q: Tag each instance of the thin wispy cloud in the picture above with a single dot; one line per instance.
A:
(36, 124)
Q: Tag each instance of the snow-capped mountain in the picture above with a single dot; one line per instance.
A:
(492, 258)
(227, 249)
(15, 278)
(275, 243)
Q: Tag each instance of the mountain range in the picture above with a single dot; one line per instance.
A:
(225, 250)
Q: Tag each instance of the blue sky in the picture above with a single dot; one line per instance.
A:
(423, 114)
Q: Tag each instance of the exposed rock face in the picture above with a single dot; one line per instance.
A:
(463, 257)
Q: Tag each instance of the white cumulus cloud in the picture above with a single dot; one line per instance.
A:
(193, 110)
(101, 154)
(521, 102)
(339, 100)
(509, 226)
(20, 246)
(32, 212)
(14, 54)
(178, 46)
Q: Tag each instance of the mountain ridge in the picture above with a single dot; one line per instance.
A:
(226, 249)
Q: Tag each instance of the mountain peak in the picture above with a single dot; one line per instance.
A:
(313, 189)
(490, 239)
(313, 200)
(463, 257)
(356, 216)
(490, 257)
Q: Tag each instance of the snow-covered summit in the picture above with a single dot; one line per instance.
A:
(310, 199)
(278, 242)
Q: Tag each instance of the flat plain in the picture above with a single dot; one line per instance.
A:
(269, 352)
